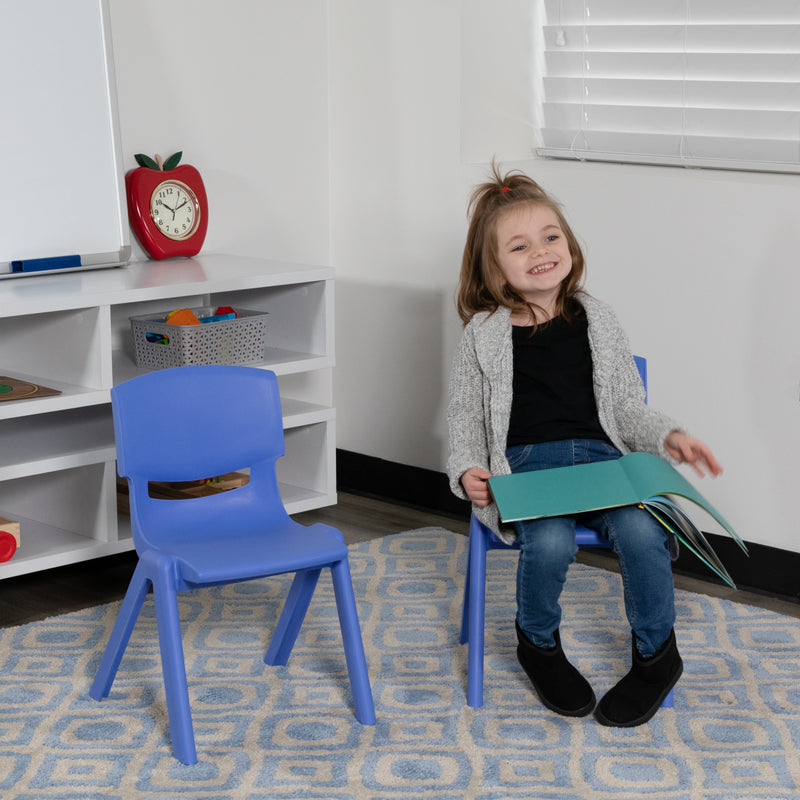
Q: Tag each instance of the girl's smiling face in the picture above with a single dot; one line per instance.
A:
(533, 254)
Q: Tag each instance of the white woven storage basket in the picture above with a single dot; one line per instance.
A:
(235, 341)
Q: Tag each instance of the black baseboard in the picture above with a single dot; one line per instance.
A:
(768, 570)
(415, 487)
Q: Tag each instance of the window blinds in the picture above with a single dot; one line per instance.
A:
(708, 83)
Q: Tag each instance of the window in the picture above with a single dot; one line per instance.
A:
(708, 83)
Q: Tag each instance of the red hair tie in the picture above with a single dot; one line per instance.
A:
(506, 189)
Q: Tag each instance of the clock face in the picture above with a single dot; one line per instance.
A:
(174, 209)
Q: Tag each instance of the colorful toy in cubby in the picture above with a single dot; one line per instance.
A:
(9, 538)
(185, 316)
(182, 316)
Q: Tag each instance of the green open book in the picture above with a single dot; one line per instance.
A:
(635, 479)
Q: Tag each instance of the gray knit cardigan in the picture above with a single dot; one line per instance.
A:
(479, 406)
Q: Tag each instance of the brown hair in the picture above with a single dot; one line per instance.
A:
(481, 285)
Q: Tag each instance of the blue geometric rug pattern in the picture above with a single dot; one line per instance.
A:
(265, 733)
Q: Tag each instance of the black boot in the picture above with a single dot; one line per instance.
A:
(637, 697)
(559, 685)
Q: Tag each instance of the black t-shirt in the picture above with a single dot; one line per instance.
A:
(553, 390)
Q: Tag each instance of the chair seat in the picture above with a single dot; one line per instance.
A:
(241, 555)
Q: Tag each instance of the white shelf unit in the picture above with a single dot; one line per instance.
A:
(71, 332)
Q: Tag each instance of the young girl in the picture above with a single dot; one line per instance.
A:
(543, 378)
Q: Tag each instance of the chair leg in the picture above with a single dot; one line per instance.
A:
(121, 633)
(464, 637)
(353, 645)
(477, 610)
(173, 666)
(292, 616)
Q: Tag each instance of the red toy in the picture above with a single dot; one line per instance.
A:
(9, 538)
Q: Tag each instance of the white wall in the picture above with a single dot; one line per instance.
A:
(241, 87)
(397, 220)
(700, 265)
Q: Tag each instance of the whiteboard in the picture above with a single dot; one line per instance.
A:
(62, 186)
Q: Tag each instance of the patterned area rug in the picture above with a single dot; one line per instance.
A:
(265, 733)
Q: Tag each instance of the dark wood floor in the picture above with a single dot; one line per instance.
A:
(33, 597)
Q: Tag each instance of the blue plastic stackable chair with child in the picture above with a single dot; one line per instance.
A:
(481, 540)
(543, 378)
(192, 423)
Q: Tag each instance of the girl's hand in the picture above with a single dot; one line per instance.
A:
(686, 449)
(475, 483)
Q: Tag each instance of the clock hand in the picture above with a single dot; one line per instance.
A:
(173, 210)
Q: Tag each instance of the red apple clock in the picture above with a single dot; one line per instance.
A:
(167, 206)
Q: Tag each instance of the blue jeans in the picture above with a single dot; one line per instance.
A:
(547, 548)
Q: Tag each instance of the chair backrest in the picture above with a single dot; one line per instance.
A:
(190, 423)
(641, 365)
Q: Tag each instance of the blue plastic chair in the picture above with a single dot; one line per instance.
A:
(481, 540)
(191, 423)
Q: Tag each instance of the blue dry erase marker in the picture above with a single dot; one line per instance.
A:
(42, 264)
